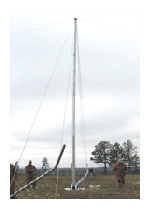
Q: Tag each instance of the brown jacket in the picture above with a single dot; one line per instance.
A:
(120, 168)
(30, 169)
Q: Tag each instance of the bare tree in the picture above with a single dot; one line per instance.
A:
(17, 165)
(45, 166)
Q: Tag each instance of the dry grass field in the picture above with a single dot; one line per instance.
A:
(107, 188)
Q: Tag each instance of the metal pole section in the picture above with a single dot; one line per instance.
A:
(73, 106)
(40, 177)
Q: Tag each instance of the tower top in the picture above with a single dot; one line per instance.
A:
(75, 19)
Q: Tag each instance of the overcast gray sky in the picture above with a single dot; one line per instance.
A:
(110, 67)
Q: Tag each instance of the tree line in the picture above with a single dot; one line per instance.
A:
(109, 154)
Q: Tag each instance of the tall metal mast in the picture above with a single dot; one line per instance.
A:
(73, 106)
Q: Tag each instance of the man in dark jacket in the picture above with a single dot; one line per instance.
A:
(30, 173)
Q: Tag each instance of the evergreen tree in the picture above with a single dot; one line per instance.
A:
(136, 162)
(128, 151)
(116, 153)
(101, 154)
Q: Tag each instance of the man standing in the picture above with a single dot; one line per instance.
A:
(91, 172)
(30, 173)
(120, 168)
(13, 178)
